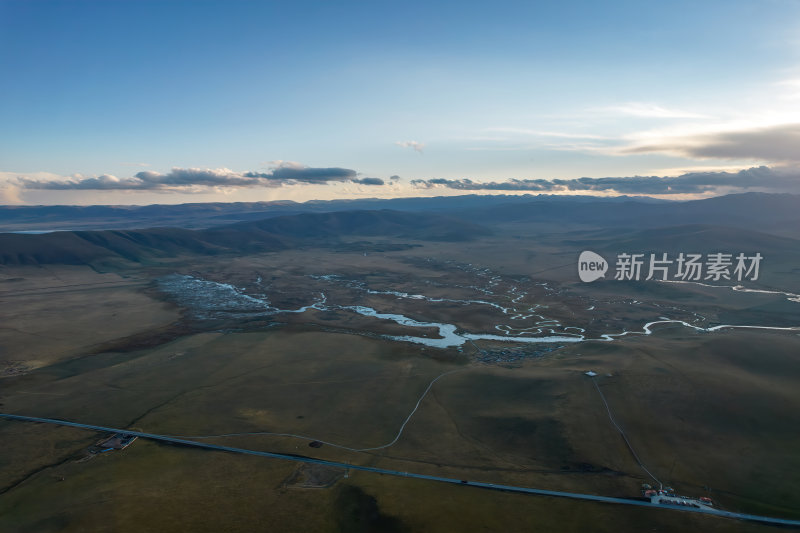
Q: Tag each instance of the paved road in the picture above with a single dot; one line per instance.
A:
(492, 486)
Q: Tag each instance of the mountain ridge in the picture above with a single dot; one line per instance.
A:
(273, 234)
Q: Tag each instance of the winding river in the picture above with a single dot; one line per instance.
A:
(210, 299)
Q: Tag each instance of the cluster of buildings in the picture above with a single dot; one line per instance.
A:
(667, 496)
(118, 441)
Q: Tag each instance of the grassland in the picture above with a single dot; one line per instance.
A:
(709, 413)
(51, 314)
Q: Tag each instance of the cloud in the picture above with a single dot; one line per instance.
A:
(293, 172)
(369, 181)
(418, 146)
(9, 194)
(184, 177)
(540, 133)
(177, 178)
(785, 179)
(776, 143)
(77, 182)
(469, 185)
(394, 177)
(645, 110)
(192, 179)
(790, 89)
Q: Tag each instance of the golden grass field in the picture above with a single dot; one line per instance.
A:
(712, 414)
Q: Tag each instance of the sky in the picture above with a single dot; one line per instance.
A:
(137, 102)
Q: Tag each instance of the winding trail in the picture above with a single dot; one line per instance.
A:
(625, 437)
(437, 378)
(346, 466)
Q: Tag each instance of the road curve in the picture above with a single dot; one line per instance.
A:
(492, 486)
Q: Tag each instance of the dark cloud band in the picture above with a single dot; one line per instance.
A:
(183, 178)
(779, 179)
(369, 181)
(304, 174)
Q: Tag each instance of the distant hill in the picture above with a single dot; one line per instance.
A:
(774, 213)
(422, 226)
(91, 247)
(205, 215)
(750, 221)
(694, 238)
(59, 217)
(777, 213)
(280, 233)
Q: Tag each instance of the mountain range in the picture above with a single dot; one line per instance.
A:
(768, 221)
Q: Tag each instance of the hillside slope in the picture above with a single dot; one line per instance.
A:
(279, 233)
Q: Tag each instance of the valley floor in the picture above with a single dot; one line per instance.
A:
(278, 352)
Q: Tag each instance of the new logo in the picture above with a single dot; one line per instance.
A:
(591, 266)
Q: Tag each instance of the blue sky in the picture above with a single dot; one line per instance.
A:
(143, 102)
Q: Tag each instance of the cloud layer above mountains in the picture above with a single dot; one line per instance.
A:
(284, 173)
(771, 179)
(783, 179)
